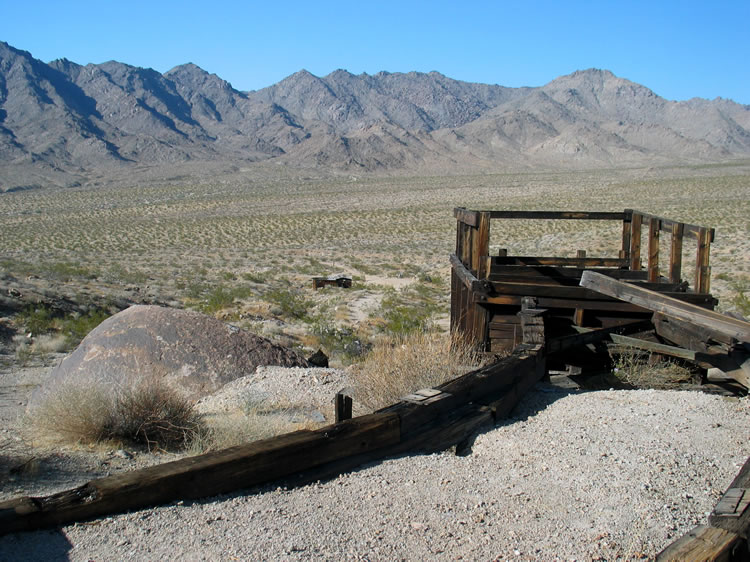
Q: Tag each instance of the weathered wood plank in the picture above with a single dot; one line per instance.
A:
(703, 544)
(558, 215)
(466, 216)
(664, 304)
(702, 266)
(687, 334)
(580, 293)
(636, 223)
(466, 277)
(667, 224)
(654, 226)
(204, 475)
(587, 336)
(558, 261)
(303, 454)
(626, 228)
(481, 248)
(500, 271)
(736, 524)
(675, 257)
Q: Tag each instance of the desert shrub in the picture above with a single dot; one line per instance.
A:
(71, 328)
(36, 319)
(67, 271)
(407, 311)
(75, 327)
(399, 365)
(342, 342)
(740, 300)
(148, 412)
(290, 303)
(639, 369)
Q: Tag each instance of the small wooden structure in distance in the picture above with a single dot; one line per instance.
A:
(487, 290)
(343, 281)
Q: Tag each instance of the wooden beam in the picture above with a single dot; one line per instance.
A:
(589, 335)
(675, 256)
(653, 250)
(703, 544)
(667, 224)
(467, 278)
(626, 224)
(666, 305)
(204, 475)
(557, 261)
(702, 265)
(635, 241)
(738, 523)
(558, 215)
(465, 216)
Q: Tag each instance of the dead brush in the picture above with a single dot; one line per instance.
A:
(399, 365)
(149, 413)
(644, 370)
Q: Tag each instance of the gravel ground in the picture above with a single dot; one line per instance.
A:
(610, 475)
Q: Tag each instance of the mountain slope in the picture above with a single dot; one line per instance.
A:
(62, 123)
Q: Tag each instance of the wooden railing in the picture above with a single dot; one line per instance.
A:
(473, 240)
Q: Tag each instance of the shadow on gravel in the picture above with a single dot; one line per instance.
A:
(37, 545)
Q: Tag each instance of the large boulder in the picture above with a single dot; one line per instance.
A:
(194, 352)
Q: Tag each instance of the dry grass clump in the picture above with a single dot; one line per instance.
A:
(238, 428)
(148, 413)
(399, 365)
(643, 370)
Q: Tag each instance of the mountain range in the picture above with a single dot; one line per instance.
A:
(64, 124)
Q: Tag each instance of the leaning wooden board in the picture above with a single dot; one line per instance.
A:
(668, 306)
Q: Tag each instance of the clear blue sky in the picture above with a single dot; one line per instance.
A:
(679, 49)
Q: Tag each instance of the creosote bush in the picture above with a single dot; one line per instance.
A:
(149, 413)
(399, 365)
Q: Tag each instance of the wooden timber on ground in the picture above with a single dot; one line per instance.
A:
(725, 538)
(445, 416)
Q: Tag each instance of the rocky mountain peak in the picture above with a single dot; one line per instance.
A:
(66, 121)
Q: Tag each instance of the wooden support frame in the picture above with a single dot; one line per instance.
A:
(482, 283)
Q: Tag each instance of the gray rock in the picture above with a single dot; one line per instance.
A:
(188, 350)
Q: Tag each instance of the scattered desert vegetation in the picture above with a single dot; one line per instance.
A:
(245, 249)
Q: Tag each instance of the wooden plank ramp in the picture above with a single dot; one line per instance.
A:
(446, 416)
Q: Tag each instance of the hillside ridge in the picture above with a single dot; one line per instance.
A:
(62, 124)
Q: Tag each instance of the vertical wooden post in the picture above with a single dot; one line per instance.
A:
(635, 242)
(626, 225)
(343, 405)
(675, 257)
(481, 250)
(481, 245)
(654, 226)
(702, 267)
(579, 312)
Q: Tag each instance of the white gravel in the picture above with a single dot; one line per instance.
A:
(610, 475)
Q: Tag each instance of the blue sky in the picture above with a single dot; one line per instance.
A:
(678, 49)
